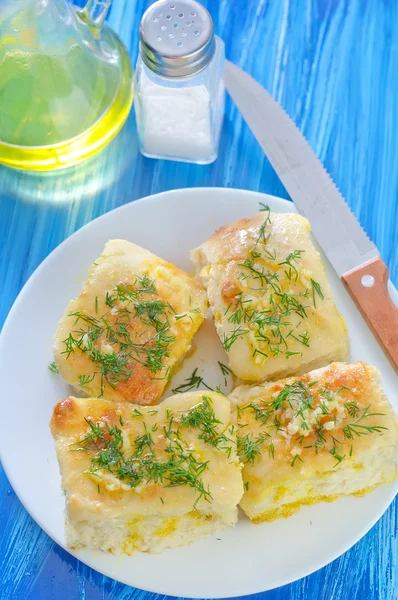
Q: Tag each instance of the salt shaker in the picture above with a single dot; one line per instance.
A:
(179, 93)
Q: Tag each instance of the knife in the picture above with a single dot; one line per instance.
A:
(352, 254)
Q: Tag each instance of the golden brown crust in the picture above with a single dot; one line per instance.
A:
(231, 242)
(348, 385)
(270, 297)
(325, 434)
(70, 423)
(141, 386)
(144, 357)
(61, 413)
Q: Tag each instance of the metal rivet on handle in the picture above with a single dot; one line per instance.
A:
(368, 281)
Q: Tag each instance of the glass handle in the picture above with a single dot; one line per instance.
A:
(94, 14)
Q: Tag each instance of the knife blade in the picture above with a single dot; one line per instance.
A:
(352, 254)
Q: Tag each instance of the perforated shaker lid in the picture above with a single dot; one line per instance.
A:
(177, 37)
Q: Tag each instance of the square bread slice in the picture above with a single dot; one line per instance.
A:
(314, 438)
(270, 297)
(132, 323)
(146, 478)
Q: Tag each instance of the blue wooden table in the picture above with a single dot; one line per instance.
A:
(332, 64)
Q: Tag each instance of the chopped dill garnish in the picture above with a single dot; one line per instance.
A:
(316, 290)
(236, 333)
(111, 341)
(225, 370)
(194, 381)
(324, 408)
(291, 258)
(288, 354)
(284, 296)
(335, 452)
(86, 379)
(327, 394)
(53, 367)
(137, 413)
(352, 408)
(194, 311)
(265, 208)
(358, 428)
(249, 447)
(341, 389)
(295, 459)
(176, 464)
(203, 418)
(303, 338)
(297, 398)
(271, 450)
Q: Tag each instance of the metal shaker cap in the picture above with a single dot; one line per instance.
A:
(177, 37)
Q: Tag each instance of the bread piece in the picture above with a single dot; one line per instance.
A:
(314, 438)
(146, 478)
(270, 297)
(132, 323)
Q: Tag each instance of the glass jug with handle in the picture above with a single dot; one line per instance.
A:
(66, 82)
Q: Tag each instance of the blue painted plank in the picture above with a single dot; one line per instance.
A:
(332, 64)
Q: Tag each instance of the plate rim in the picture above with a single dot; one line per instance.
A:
(52, 256)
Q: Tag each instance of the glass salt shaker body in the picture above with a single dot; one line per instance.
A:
(179, 94)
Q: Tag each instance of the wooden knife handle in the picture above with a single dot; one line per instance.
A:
(367, 285)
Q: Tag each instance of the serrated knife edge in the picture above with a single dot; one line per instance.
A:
(351, 246)
(352, 254)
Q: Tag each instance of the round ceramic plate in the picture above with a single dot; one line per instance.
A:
(242, 560)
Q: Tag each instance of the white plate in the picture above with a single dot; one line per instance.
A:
(248, 558)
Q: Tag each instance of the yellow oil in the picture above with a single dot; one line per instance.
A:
(58, 109)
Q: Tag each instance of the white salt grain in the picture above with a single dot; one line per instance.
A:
(175, 121)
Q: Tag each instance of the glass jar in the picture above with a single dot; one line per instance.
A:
(66, 83)
(179, 101)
